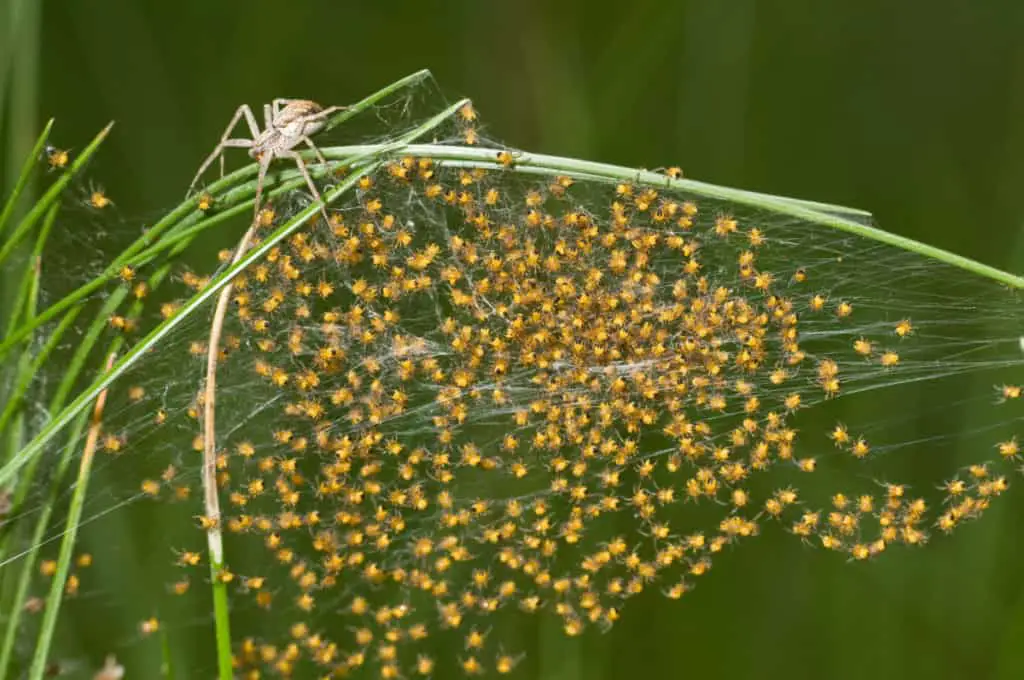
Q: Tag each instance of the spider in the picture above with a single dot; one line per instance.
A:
(286, 123)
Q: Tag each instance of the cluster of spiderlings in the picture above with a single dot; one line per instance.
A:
(482, 392)
(474, 395)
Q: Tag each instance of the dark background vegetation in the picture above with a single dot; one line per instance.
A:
(913, 110)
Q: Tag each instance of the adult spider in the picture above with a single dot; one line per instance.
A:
(286, 123)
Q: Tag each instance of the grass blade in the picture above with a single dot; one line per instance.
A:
(51, 195)
(56, 595)
(23, 177)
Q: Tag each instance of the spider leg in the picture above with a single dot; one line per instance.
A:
(326, 113)
(313, 147)
(254, 130)
(275, 106)
(329, 110)
(219, 151)
(226, 141)
(309, 180)
(260, 177)
(279, 103)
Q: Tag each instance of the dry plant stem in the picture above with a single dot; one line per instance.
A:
(211, 501)
(288, 122)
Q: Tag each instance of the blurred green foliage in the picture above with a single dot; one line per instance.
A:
(912, 110)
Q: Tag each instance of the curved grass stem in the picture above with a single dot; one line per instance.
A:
(834, 217)
(211, 502)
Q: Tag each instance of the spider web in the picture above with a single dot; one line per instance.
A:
(479, 396)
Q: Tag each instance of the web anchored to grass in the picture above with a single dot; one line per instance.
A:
(490, 384)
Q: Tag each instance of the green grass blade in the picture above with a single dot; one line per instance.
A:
(51, 195)
(28, 367)
(26, 478)
(67, 546)
(23, 177)
(72, 373)
(24, 305)
(167, 657)
(69, 378)
(28, 567)
(29, 558)
(813, 213)
(367, 102)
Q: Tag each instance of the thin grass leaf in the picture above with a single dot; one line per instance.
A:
(51, 195)
(26, 172)
(167, 658)
(67, 546)
(823, 214)
(24, 306)
(25, 480)
(29, 560)
(29, 366)
(367, 102)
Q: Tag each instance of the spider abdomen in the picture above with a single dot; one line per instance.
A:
(294, 120)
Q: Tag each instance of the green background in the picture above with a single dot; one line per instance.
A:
(912, 110)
